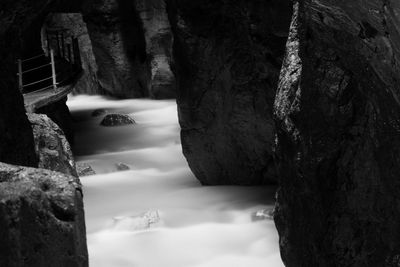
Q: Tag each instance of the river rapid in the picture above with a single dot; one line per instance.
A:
(156, 214)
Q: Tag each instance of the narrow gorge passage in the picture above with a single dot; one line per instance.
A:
(157, 213)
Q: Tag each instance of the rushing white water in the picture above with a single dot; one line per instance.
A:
(157, 214)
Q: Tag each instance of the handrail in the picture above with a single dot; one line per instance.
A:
(29, 84)
(34, 57)
(48, 64)
(67, 51)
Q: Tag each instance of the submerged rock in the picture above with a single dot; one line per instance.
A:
(98, 112)
(144, 221)
(117, 120)
(267, 214)
(122, 167)
(41, 218)
(51, 145)
(84, 169)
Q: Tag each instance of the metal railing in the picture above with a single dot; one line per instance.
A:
(57, 47)
(21, 72)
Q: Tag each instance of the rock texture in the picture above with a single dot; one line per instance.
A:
(117, 120)
(338, 117)
(41, 219)
(84, 169)
(59, 113)
(228, 57)
(159, 39)
(119, 47)
(51, 146)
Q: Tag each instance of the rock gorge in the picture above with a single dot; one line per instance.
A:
(338, 117)
(325, 124)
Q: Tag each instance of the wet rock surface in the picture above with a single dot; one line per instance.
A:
(227, 61)
(117, 120)
(145, 221)
(51, 145)
(122, 166)
(338, 117)
(159, 39)
(84, 169)
(41, 218)
(119, 47)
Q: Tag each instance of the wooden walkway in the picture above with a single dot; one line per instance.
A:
(41, 98)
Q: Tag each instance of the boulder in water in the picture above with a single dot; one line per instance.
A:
(260, 215)
(84, 169)
(144, 221)
(117, 120)
(122, 167)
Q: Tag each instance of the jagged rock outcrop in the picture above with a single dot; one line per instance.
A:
(51, 146)
(88, 83)
(338, 116)
(228, 57)
(159, 39)
(116, 34)
(41, 218)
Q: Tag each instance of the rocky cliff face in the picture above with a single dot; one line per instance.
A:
(228, 57)
(338, 117)
(116, 34)
(159, 39)
(51, 146)
(41, 218)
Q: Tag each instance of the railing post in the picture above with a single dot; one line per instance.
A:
(53, 69)
(20, 81)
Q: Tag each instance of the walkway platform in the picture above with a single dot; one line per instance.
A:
(38, 99)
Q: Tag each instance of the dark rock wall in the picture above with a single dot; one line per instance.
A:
(227, 60)
(41, 219)
(338, 118)
(51, 146)
(88, 83)
(59, 113)
(159, 40)
(119, 46)
(16, 139)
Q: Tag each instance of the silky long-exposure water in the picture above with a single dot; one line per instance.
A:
(156, 214)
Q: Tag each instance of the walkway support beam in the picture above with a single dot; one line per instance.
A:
(53, 69)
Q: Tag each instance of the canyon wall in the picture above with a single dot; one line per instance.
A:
(338, 116)
(119, 47)
(159, 40)
(227, 61)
